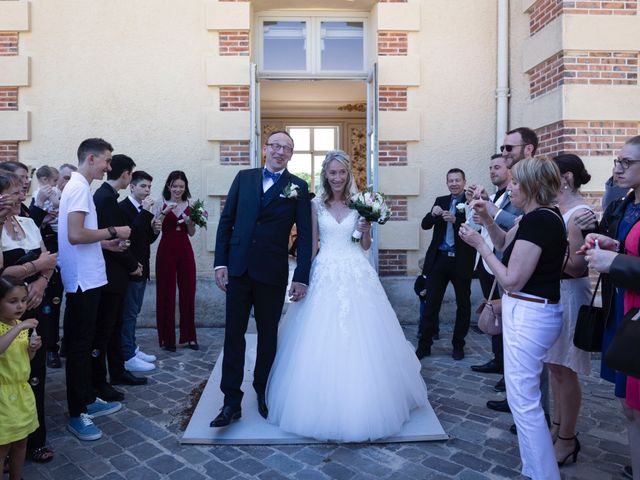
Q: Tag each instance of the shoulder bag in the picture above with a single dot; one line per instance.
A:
(590, 325)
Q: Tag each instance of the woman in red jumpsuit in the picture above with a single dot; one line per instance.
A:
(175, 264)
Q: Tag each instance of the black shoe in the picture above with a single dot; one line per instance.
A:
(262, 406)
(628, 471)
(490, 367)
(109, 394)
(500, 386)
(226, 416)
(193, 345)
(53, 360)
(573, 455)
(170, 348)
(513, 429)
(458, 353)
(499, 405)
(128, 378)
(423, 350)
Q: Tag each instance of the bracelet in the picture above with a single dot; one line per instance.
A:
(45, 277)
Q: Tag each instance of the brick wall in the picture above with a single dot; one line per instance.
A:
(8, 151)
(392, 98)
(392, 154)
(583, 68)
(234, 153)
(234, 98)
(8, 98)
(392, 43)
(585, 138)
(392, 262)
(399, 207)
(233, 43)
(8, 43)
(545, 11)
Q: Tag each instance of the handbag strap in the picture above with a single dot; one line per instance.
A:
(493, 288)
(595, 290)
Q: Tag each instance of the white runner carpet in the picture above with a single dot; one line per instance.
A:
(252, 429)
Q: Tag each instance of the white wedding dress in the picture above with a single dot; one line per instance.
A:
(343, 370)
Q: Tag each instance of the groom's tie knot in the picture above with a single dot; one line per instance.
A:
(273, 176)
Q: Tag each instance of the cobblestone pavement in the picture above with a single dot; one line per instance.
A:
(142, 440)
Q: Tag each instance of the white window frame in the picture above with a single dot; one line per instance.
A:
(313, 21)
(312, 151)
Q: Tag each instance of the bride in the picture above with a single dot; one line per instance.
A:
(343, 370)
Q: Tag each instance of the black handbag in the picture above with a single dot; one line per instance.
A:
(590, 325)
(622, 354)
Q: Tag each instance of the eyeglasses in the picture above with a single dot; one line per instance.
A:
(276, 146)
(508, 148)
(625, 163)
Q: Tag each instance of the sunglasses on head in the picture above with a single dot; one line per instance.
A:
(508, 148)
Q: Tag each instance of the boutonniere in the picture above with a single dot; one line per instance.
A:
(290, 191)
(461, 207)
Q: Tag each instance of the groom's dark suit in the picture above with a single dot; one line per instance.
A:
(252, 241)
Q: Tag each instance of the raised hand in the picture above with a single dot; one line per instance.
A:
(604, 243)
(436, 211)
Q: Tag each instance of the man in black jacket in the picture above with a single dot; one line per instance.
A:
(136, 209)
(448, 259)
(119, 266)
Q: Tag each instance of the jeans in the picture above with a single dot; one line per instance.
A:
(132, 306)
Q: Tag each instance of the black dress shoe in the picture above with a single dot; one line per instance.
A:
(423, 350)
(170, 348)
(500, 386)
(128, 378)
(458, 353)
(513, 429)
(53, 360)
(262, 406)
(499, 405)
(490, 367)
(109, 394)
(226, 416)
(193, 346)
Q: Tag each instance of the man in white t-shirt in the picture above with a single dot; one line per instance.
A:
(82, 267)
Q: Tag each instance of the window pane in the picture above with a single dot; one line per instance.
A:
(301, 138)
(342, 46)
(300, 165)
(284, 45)
(324, 139)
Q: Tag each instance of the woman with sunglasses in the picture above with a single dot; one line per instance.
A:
(620, 232)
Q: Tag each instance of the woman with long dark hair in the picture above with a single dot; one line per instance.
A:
(175, 264)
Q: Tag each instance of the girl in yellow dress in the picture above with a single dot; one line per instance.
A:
(17, 404)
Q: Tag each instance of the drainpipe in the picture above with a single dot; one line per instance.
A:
(502, 81)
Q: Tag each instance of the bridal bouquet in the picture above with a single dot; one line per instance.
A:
(198, 214)
(371, 206)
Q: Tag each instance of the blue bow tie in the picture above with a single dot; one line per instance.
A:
(273, 176)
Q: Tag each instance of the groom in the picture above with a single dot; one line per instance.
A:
(251, 265)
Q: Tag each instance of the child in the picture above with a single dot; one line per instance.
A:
(46, 196)
(17, 402)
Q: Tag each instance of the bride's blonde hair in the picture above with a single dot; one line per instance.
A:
(349, 188)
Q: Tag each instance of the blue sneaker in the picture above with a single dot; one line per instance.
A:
(100, 408)
(83, 428)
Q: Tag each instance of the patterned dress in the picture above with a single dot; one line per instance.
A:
(17, 403)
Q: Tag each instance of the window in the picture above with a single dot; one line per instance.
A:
(311, 45)
(311, 146)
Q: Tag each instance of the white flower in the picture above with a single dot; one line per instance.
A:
(461, 207)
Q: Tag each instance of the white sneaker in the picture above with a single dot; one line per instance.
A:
(135, 364)
(143, 356)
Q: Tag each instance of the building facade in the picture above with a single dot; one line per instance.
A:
(408, 88)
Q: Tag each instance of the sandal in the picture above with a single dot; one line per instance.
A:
(42, 455)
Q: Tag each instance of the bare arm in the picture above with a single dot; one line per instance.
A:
(11, 335)
(78, 234)
(576, 264)
(315, 231)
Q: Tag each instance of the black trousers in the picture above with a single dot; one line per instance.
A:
(107, 346)
(38, 375)
(267, 301)
(51, 307)
(443, 272)
(486, 280)
(80, 319)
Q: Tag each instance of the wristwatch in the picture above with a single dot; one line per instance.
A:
(112, 232)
